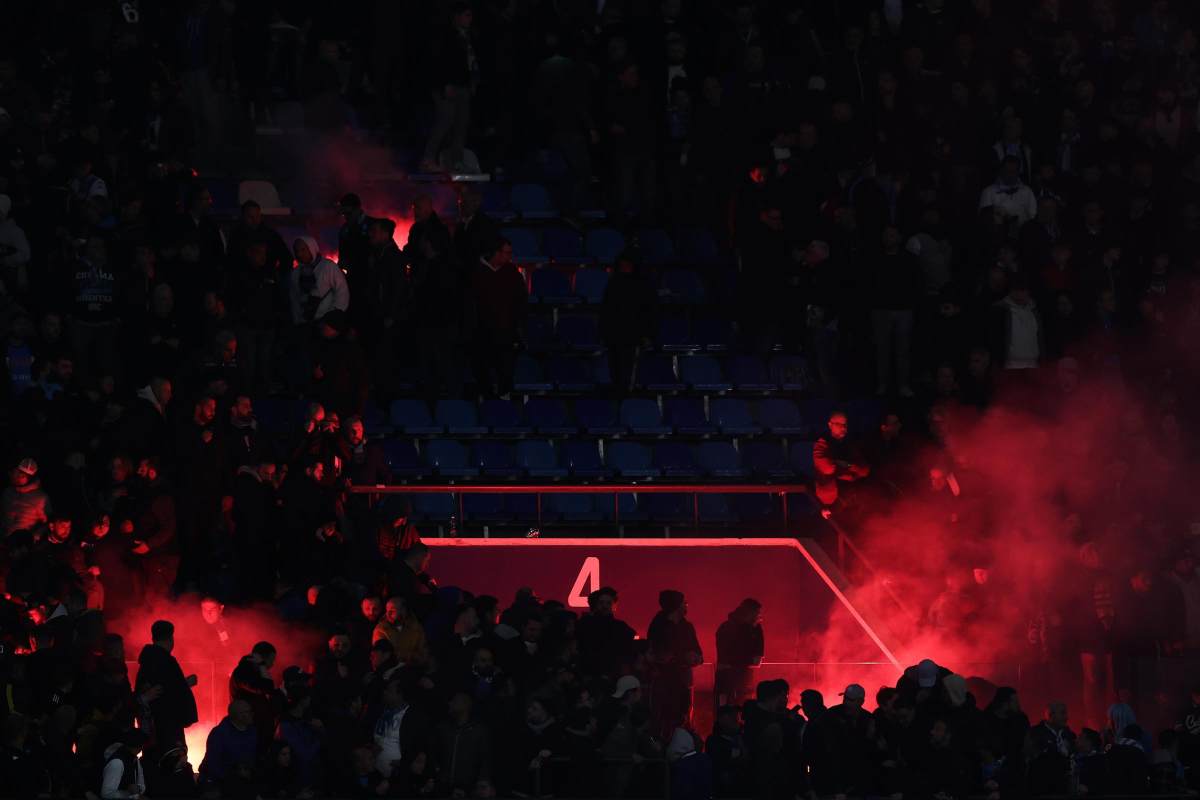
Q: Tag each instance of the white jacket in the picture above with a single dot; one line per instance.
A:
(330, 286)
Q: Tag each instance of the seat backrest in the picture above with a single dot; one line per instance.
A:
(779, 412)
(595, 412)
(562, 243)
(656, 246)
(748, 369)
(640, 412)
(525, 243)
(673, 454)
(717, 455)
(764, 455)
(527, 370)
(496, 412)
(730, 411)
(548, 282)
(409, 411)
(684, 285)
(492, 454)
(445, 453)
(536, 454)
(579, 330)
(656, 369)
(580, 454)
(590, 284)
(400, 453)
(604, 244)
(547, 412)
(456, 412)
(628, 455)
(684, 411)
(700, 369)
(531, 198)
(697, 246)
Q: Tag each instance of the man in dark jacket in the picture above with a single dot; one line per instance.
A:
(462, 748)
(339, 374)
(605, 642)
(203, 481)
(627, 320)
(251, 681)
(437, 299)
(674, 652)
(499, 302)
(231, 750)
(739, 652)
(159, 675)
(475, 230)
(353, 245)
(455, 76)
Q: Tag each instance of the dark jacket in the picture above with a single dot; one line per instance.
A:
(248, 683)
(605, 644)
(343, 386)
(176, 708)
(498, 301)
(627, 315)
(226, 751)
(670, 642)
(463, 754)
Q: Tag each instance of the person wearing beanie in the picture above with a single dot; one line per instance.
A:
(674, 653)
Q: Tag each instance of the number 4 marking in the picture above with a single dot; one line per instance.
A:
(589, 577)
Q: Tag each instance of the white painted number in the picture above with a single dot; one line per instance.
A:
(586, 582)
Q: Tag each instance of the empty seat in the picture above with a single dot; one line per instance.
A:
(714, 335)
(494, 459)
(552, 287)
(667, 507)
(686, 415)
(675, 335)
(571, 374)
(523, 508)
(538, 459)
(604, 244)
(412, 416)
(459, 417)
(563, 245)
(715, 508)
(683, 286)
(539, 331)
(676, 460)
(781, 416)
(655, 246)
(657, 373)
(528, 375)
(598, 417)
(485, 507)
(623, 507)
(525, 244)
(582, 458)
(572, 507)
(449, 458)
(590, 283)
(549, 416)
(800, 456)
(697, 246)
(497, 202)
(733, 416)
(434, 507)
(265, 194)
(532, 201)
(631, 460)
(703, 373)
(375, 422)
(719, 460)
(749, 374)
(402, 460)
(580, 332)
(767, 459)
(503, 418)
(790, 372)
(641, 415)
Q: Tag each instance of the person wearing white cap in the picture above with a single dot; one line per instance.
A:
(628, 691)
(24, 503)
(842, 746)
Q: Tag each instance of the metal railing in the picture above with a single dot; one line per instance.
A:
(783, 491)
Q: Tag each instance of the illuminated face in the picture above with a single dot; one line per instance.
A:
(302, 252)
(100, 527)
(605, 604)
(370, 608)
(210, 611)
(395, 612)
(355, 432)
(838, 426)
(339, 646)
(243, 407)
(206, 411)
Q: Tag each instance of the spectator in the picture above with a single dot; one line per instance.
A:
(626, 320)
(406, 636)
(172, 708)
(835, 460)
(499, 302)
(463, 749)
(231, 751)
(26, 506)
(455, 77)
(739, 653)
(251, 682)
(317, 285)
(895, 301)
(605, 642)
(123, 776)
(674, 653)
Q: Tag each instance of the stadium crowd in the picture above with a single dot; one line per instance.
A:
(944, 204)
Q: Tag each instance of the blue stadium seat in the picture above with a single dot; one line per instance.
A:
(549, 416)
(733, 416)
(790, 372)
(667, 507)
(449, 458)
(760, 509)
(497, 202)
(503, 418)
(641, 415)
(412, 417)
(715, 508)
(590, 283)
(714, 335)
(525, 244)
(749, 374)
(459, 417)
(571, 374)
(863, 414)
(434, 507)
(551, 286)
(801, 506)
(485, 508)
(494, 459)
(573, 507)
(697, 246)
(631, 460)
(675, 335)
(539, 331)
(703, 374)
(579, 332)
(676, 460)
(402, 460)
(375, 422)
(538, 459)
(683, 286)
(598, 417)
(600, 371)
(528, 375)
(781, 417)
(719, 460)
(523, 508)
(604, 244)
(686, 415)
(800, 456)
(532, 201)
(767, 459)
(564, 246)
(657, 373)
(582, 458)
(624, 506)
(655, 246)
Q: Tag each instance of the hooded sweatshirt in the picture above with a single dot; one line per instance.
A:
(1023, 348)
(316, 288)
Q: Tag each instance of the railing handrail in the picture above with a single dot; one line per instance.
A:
(590, 488)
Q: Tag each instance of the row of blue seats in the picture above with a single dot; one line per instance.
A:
(664, 373)
(627, 507)
(552, 286)
(654, 246)
(591, 459)
(640, 416)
